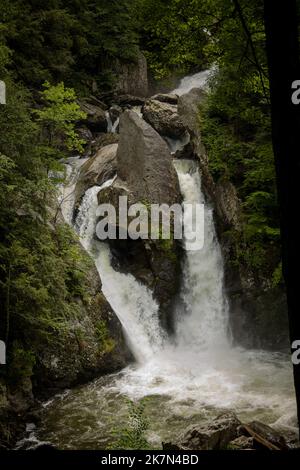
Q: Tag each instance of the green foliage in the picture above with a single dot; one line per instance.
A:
(21, 362)
(65, 40)
(58, 117)
(106, 343)
(133, 436)
(172, 35)
(235, 123)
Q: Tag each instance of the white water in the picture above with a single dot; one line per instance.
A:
(112, 127)
(67, 190)
(198, 80)
(188, 377)
(205, 325)
(133, 302)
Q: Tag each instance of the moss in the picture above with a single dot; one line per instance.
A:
(21, 362)
(106, 343)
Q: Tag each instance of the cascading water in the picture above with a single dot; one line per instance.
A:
(67, 194)
(133, 302)
(206, 323)
(112, 127)
(188, 378)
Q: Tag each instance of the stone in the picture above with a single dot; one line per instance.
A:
(96, 170)
(166, 98)
(163, 117)
(145, 163)
(258, 430)
(214, 435)
(125, 100)
(146, 174)
(188, 109)
(242, 443)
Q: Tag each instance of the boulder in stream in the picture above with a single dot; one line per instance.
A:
(96, 170)
(164, 118)
(214, 435)
(146, 175)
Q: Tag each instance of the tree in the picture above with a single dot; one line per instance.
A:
(281, 24)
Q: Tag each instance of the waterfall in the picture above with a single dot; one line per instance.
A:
(132, 302)
(205, 324)
(198, 80)
(188, 378)
(66, 198)
(112, 127)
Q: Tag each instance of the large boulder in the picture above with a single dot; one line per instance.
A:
(94, 343)
(145, 163)
(164, 118)
(96, 170)
(146, 175)
(166, 98)
(188, 109)
(214, 435)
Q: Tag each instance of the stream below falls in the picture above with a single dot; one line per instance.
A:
(186, 379)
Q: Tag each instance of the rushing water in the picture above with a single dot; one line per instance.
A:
(186, 379)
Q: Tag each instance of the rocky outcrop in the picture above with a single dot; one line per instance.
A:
(166, 98)
(164, 118)
(132, 77)
(145, 163)
(215, 435)
(96, 170)
(226, 432)
(89, 344)
(92, 345)
(146, 175)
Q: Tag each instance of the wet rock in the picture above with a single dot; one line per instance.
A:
(96, 170)
(212, 436)
(144, 162)
(146, 175)
(101, 140)
(242, 443)
(163, 117)
(129, 100)
(264, 435)
(188, 109)
(166, 98)
(96, 117)
(92, 345)
(187, 152)
(84, 133)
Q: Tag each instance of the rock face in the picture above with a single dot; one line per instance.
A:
(145, 163)
(227, 432)
(164, 118)
(166, 98)
(146, 175)
(94, 345)
(132, 77)
(97, 170)
(257, 312)
(213, 436)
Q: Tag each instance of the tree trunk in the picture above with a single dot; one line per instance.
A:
(281, 24)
